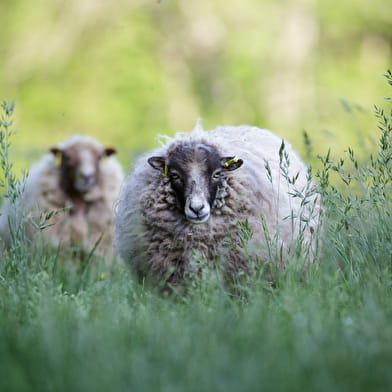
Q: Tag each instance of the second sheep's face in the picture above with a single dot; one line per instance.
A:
(80, 166)
(196, 172)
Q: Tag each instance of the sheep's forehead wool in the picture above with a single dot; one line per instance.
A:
(194, 155)
(82, 140)
(86, 154)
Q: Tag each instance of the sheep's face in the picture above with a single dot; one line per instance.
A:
(80, 166)
(195, 171)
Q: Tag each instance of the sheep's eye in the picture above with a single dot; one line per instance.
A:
(218, 174)
(174, 176)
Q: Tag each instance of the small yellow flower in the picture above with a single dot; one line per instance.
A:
(102, 276)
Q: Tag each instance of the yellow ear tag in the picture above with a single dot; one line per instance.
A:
(230, 161)
(165, 170)
(57, 159)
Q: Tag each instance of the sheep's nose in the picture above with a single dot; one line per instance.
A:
(197, 208)
(84, 181)
(197, 211)
(86, 178)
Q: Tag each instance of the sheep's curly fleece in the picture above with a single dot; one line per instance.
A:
(155, 238)
(42, 194)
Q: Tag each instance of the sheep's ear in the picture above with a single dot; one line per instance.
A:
(55, 151)
(109, 151)
(158, 163)
(231, 163)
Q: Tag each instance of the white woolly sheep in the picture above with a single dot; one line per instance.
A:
(190, 195)
(75, 186)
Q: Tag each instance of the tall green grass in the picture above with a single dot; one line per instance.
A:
(64, 327)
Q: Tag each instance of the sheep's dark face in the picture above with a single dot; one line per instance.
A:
(80, 166)
(196, 172)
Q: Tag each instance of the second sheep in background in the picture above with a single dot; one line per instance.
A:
(68, 197)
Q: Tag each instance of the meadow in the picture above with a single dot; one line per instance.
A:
(91, 327)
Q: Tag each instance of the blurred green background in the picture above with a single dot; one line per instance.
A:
(126, 70)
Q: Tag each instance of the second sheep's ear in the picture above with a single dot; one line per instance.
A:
(231, 163)
(159, 163)
(109, 151)
(55, 150)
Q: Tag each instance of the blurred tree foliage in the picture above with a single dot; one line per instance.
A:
(124, 71)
